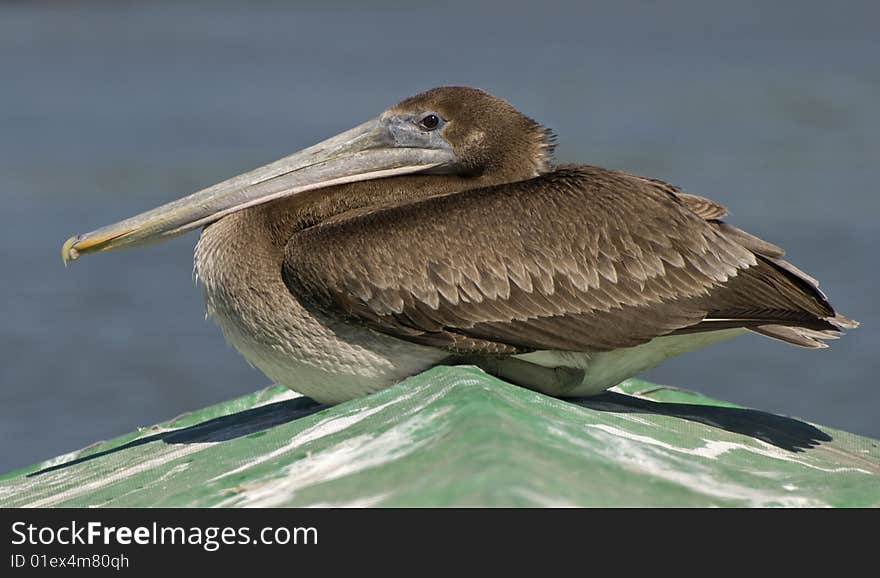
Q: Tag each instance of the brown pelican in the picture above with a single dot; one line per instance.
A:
(441, 232)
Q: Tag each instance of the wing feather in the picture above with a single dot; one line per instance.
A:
(580, 258)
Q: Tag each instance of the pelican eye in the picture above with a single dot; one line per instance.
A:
(430, 121)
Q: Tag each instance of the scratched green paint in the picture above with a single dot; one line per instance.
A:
(457, 437)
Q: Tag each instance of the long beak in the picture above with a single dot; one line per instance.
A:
(382, 147)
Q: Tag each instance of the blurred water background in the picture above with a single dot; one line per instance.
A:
(110, 108)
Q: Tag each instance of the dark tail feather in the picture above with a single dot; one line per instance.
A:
(775, 299)
(798, 335)
(844, 322)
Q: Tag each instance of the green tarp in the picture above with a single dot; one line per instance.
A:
(457, 437)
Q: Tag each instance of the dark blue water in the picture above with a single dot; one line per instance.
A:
(110, 108)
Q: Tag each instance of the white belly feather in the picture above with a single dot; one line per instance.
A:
(331, 366)
(608, 368)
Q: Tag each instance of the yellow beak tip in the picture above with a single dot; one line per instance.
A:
(68, 253)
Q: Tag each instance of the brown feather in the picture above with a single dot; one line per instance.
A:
(544, 284)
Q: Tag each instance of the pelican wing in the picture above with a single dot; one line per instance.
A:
(579, 259)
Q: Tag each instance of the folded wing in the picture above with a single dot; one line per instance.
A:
(579, 259)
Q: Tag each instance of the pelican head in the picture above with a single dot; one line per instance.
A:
(447, 130)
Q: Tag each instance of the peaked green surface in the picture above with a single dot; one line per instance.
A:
(457, 437)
